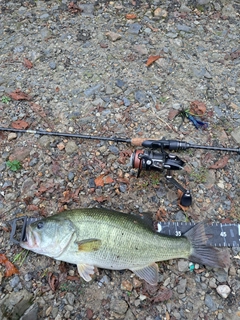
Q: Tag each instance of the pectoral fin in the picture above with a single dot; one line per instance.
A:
(89, 245)
(148, 273)
(85, 270)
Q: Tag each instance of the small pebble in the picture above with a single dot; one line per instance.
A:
(71, 176)
(52, 65)
(126, 285)
(113, 36)
(223, 290)
(12, 136)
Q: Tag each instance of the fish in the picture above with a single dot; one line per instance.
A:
(108, 239)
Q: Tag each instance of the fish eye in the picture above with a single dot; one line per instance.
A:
(40, 225)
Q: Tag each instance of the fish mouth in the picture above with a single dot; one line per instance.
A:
(30, 240)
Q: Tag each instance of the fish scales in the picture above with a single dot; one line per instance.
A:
(122, 244)
(113, 240)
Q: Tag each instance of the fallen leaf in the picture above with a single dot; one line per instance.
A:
(28, 64)
(162, 295)
(19, 95)
(198, 107)
(38, 109)
(233, 55)
(10, 268)
(101, 199)
(41, 190)
(226, 220)
(103, 45)
(108, 180)
(130, 16)
(72, 278)
(172, 114)
(99, 181)
(53, 281)
(32, 207)
(89, 313)
(125, 154)
(73, 8)
(199, 270)
(152, 28)
(123, 180)
(20, 124)
(220, 163)
(152, 59)
(66, 194)
(61, 146)
(62, 267)
(160, 214)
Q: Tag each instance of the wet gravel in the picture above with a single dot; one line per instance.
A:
(89, 75)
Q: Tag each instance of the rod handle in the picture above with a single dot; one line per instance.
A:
(137, 142)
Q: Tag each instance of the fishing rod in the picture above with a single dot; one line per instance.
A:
(145, 159)
(176, 145)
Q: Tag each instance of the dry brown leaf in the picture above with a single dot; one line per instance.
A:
(19, 95)
(73, 278)
(221, 163)
(62, 267)
(130, 16)
(160, 214)
(61, 146)
(124, 155)
(123, 180)
(152, 28)
(99, 181)
(73, 8)
(162, 295)
(101, 199)
(38, 109)
(198, 107)
(10, 268)
(53, 281)
(27, 63)
(152, 59)
(20, 124)
(32, 207)
(199, 270)
(108, 180)
(172, 114)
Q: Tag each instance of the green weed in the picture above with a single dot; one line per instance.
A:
(20, 257)
(14, 165)
(199, 175)
(5, 99)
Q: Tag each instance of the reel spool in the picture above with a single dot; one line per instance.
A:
(152, 160)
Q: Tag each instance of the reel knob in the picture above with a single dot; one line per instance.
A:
(186, 199)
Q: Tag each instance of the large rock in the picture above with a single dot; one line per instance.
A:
(15, 304)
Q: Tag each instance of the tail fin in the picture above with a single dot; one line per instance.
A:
(204, 254)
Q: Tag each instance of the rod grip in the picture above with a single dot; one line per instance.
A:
(137, 142)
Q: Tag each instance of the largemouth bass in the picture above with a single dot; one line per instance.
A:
(114, 240)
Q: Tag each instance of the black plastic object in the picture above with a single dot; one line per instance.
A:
(18, 228)
(186, 199)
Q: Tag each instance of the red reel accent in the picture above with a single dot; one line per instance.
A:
(137, 163)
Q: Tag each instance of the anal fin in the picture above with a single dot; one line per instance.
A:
(85, 270)
(148, 273)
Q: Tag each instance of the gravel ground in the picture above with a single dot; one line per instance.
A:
(83, 69)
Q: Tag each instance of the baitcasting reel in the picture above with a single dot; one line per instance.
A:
(152, 160)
